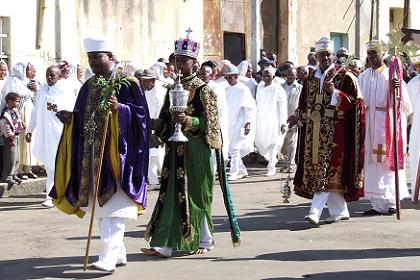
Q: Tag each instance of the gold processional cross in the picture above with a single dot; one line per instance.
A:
(379, 152)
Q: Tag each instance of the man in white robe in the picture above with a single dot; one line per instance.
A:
(245, 76)
(292, 89)
(242, 113)
(379, 178)
(51, 98)
(414, 145)
(220, 74)
(155, 96)
(271, 118)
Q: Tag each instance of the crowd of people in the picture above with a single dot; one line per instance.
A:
(329, 122)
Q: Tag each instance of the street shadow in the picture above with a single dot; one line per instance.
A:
(281, 217)
(332, 255)
(39, 268)
(359, 275)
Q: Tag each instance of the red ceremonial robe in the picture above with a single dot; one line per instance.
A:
(330, 149)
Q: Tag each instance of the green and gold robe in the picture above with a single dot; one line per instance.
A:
(187, 177)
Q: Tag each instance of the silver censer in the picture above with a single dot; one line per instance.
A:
(178, 100)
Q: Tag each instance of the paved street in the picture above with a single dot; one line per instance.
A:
(40, 243)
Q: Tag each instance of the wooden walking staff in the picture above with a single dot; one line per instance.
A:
(96, 185)
(98, 172)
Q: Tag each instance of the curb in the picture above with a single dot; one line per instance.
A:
(27, 187)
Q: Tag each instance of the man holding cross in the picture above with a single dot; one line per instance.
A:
(379, 177)
(51, 98)
(331, 121)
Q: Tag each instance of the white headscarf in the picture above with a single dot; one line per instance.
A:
(159, 67)
(19, 71)
(16, 82)
(243, 68)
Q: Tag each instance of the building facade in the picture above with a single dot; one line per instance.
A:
(45, 31)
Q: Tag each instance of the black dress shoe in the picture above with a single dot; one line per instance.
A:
(31, 175)
(392, 211)
(21, 177)
(372, 212)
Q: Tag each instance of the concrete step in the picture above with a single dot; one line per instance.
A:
(27, 187)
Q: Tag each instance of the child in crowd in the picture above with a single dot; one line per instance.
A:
(10, 127)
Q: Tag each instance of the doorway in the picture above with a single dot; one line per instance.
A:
(234, 47)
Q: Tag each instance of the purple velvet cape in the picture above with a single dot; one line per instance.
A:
(133, 124)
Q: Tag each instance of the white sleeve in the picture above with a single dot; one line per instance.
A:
(32, 122)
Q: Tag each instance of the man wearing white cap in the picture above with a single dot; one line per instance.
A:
(330, 161)
(155, 95)
(181, 219)
(242, 114)
(271, 121)
(123, 178)
(220, 75)
(379, 178)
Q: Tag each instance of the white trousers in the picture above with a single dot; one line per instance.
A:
(382, 205)
(272, 160)
(335, 201)
(155, 166)
(237, 166)
(206, 240)
(289, 147)
(111, 231)
(50, 181)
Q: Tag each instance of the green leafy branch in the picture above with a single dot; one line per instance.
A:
(108, 87)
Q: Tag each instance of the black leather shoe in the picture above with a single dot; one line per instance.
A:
(392, 211)
(31, 175)
(372, 212)
(21, 177)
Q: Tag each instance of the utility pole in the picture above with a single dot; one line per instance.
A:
(406, 13)
(255, 33)
(357, 27)
(372, 7)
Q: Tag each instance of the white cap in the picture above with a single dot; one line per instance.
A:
(97, 45)
(271, 69)
(231, 70)
(324, 44)
(374, 45)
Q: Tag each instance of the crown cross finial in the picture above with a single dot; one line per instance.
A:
(189, 30)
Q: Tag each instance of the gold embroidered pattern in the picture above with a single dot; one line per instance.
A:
(180, 173)
(85, 180)
(190, 110)
(181, 197)
(165, 173)
(188, 123)
(213, 134)
(315, 176)
(180, 150)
